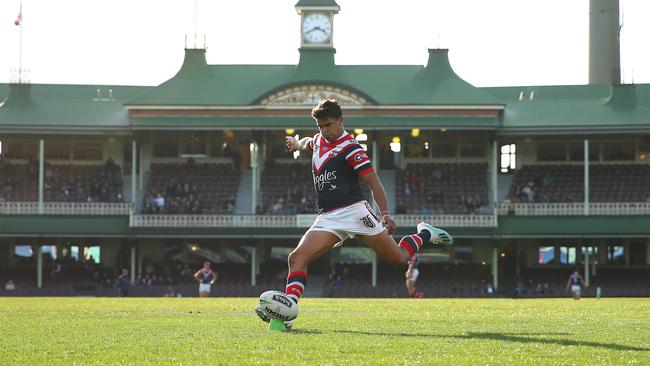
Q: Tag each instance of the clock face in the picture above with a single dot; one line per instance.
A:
(316, 28)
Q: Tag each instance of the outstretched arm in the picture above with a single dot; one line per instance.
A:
(294, 144)
(379, 194)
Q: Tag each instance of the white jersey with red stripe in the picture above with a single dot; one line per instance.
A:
(336, 167)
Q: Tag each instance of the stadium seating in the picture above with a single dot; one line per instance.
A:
(565, 183)
(63, 183)
(192, 188)
(440, 188)
(287, 188)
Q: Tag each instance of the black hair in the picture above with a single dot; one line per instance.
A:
(327, 108)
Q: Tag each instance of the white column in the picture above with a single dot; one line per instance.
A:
(375, 154)
(39, 264)
(134, 190)
(254, 266)
(254, 175)
(494, 162)
(495, 268)
(586, 260)
(586, 177)
(374, 269)
(141, 175)
(133, 261)
(41, 175)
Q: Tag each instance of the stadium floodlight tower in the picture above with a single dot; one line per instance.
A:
(604, 42)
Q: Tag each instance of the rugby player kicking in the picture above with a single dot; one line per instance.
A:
(338, 161)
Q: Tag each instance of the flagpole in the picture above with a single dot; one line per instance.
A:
(20, 45)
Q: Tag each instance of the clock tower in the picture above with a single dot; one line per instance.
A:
(316, 23)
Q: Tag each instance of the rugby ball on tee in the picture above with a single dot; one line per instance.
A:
(277, 305)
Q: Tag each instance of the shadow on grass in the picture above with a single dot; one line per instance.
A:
(510, 337)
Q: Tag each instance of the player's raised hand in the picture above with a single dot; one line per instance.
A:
(292, 144)
(389, 223)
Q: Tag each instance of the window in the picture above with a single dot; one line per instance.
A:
(546, 255)
(615, 254)
(165, 149)
(567, 255)
(618, 151)
(551, 152)
(443, 150)
(50, 250)
(577, 153)
(21, 150)
(87, 152)
(74, 253)
(472, 151)
(57, 151)
(508, 158)
(23, 251)
(591, 251)
(93, 253)
(194, 144)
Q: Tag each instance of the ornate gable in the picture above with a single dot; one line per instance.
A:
(312, 94)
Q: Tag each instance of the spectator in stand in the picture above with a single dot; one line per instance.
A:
(339, 281)
(528, 192)
(170, 292)
(10, 286)
(147, 280)
(186, 272)
(489, 290)
(123, 283)
(56, 271)
(160, 203)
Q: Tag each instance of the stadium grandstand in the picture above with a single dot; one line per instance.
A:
(532, 181)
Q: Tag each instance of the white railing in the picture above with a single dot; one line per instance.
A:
(448, 220)
(66, 208)
(574, 208)
(211, 221)
(295, 221)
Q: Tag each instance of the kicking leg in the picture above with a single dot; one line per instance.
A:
(400, 253)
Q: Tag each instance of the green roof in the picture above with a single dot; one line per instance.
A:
(49, 108)
(198, 84)
(575, 108)
(307, 3)
(528, 109)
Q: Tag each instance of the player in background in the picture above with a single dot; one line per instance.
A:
(338, 162)
(412, 274)
(575, 284)
(206, 277)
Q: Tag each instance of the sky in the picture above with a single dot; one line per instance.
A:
(141, 42)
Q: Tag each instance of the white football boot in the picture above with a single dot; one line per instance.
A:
(438, 236)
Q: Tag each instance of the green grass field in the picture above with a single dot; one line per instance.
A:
(328, 331)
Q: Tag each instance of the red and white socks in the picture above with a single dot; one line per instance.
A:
(414, 242)
(296, 282)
